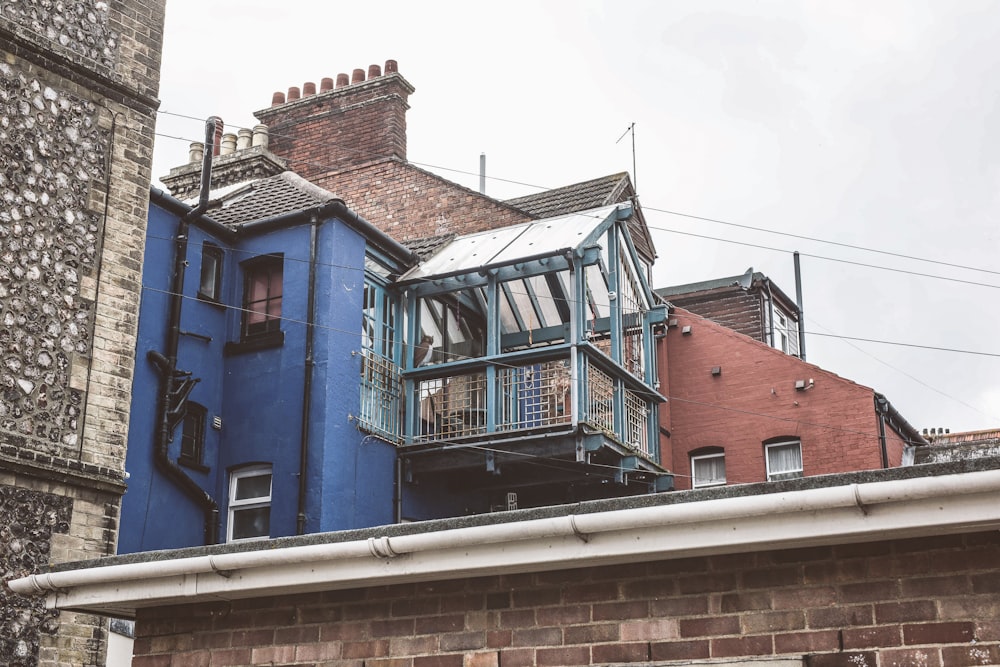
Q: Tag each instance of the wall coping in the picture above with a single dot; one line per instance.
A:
(836, 509)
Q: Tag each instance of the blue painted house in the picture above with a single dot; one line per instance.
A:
(300, 371)
(247, 367)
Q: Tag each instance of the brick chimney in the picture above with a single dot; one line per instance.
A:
(360, 120)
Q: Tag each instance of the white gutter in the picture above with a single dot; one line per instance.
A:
(855, 513)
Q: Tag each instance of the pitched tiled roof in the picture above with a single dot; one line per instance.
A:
(285, 193)
(587, 195)
(427, 246)
(577, 197)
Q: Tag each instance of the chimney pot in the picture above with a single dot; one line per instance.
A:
(374, 71)
(325, 84)
(308, 88)
(244, 138)
(277, 98)
(260, 136)
(358, 76)
(293, 93)
(228, 144)
(391, 66)
(342, 80)
(196, 152)
(217, 140)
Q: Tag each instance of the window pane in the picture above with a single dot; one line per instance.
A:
(784, 458)
(255, 486)
(708, 470)
(545, 301)
(258, 287)
(251, 522)
(274, 308)
(209, 273)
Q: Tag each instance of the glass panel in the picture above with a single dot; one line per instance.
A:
(708, 470)
(522, 301)
(253, 486)
(258, 286)
(275, 282)
(251, 522)
(784, 458)
(597, 288)
(550, 314)
(209, 273)
(508, 323)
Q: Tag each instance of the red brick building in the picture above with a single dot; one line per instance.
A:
(740, 411)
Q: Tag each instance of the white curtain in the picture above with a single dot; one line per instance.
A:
(708, 470)
(784, 458)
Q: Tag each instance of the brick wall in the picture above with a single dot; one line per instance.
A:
(754, 399)
(349, 125)
(929, 602)
(409, 203)
(79, 85)
(732, 307)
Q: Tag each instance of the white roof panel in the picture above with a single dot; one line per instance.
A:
(509, 244)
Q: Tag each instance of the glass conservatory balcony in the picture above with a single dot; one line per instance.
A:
(531, 343)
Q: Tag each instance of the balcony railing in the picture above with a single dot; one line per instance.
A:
(529, 396)
(381, 393)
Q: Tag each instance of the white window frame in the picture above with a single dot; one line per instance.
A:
(703, 457)
(248, 503)
(781, 328)
(787, 473)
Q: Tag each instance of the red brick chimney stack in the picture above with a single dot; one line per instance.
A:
(346, 124)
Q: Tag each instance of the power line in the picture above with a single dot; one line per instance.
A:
(915, 345)
(907, 375)
(819, 240)
(823, 257)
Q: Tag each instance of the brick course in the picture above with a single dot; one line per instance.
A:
(556, 618)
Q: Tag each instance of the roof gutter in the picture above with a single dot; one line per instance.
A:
(902, 508)
(897, 422)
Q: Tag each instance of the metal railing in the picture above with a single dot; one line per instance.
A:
(381, 394)
(529, 396)
(534, 396)
(452, 406)
(600, 403)
(636, 420)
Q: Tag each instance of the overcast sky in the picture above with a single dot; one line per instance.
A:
(861, 123)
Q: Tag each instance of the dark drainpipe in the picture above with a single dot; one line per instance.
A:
(880, 409)
(300, 520)
(167, 363)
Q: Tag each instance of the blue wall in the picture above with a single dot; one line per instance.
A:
(258, 395)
